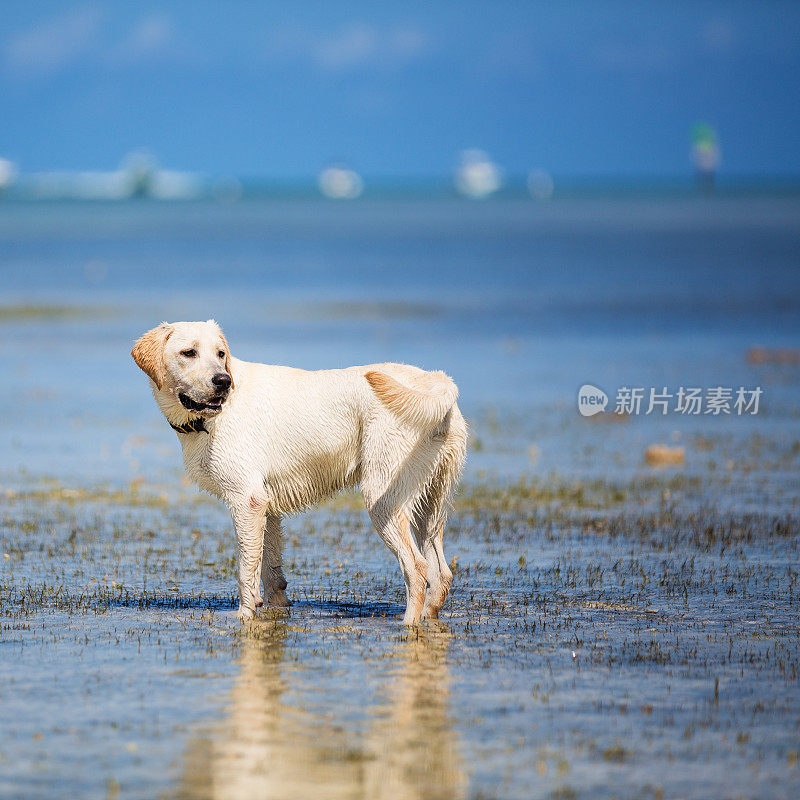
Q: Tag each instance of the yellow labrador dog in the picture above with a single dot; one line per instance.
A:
(272, 440)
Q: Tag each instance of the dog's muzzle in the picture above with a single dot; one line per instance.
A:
(221, 383)
(213, 403)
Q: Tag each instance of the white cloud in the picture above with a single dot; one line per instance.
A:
(355, 45)
(82, 34)
(151, 36)
(352, 46)
(54, 43)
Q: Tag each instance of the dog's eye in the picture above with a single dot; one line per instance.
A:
(188, 353)
(221, 354)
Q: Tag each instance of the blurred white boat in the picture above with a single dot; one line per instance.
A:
(138, 176)
(477, 175)
(339, 182)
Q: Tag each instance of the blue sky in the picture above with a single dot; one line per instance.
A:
(277, 90)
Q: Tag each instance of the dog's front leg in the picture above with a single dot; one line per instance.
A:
(248, 521)
(272, 576)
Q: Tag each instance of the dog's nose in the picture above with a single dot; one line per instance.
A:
(222, 380)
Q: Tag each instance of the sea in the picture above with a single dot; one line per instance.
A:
(521, 302)
(623, 619)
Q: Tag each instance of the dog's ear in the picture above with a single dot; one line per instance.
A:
(148, 353)
(227, 358)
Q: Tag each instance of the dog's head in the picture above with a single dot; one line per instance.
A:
(190, 360)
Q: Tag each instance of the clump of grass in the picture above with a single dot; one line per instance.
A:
(616, 754)
(50, 492)
(23, 312)
(531, 493)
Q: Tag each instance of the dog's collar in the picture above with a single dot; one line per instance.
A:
(192, 426)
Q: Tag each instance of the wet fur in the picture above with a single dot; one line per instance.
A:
(286, 439)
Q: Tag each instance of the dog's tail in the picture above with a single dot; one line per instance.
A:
(424, 405)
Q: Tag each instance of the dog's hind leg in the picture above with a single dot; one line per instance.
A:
(272, 578)
(249, 520)
(395, 530)
(429, 530)
(429, 526)
(440, 575)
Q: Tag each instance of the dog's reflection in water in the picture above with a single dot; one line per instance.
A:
(271, 749)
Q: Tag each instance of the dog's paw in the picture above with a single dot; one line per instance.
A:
(278, 599)
(411, 618)
(249, 594)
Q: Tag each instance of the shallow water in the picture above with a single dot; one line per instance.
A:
(614, 629)
(622, 650)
